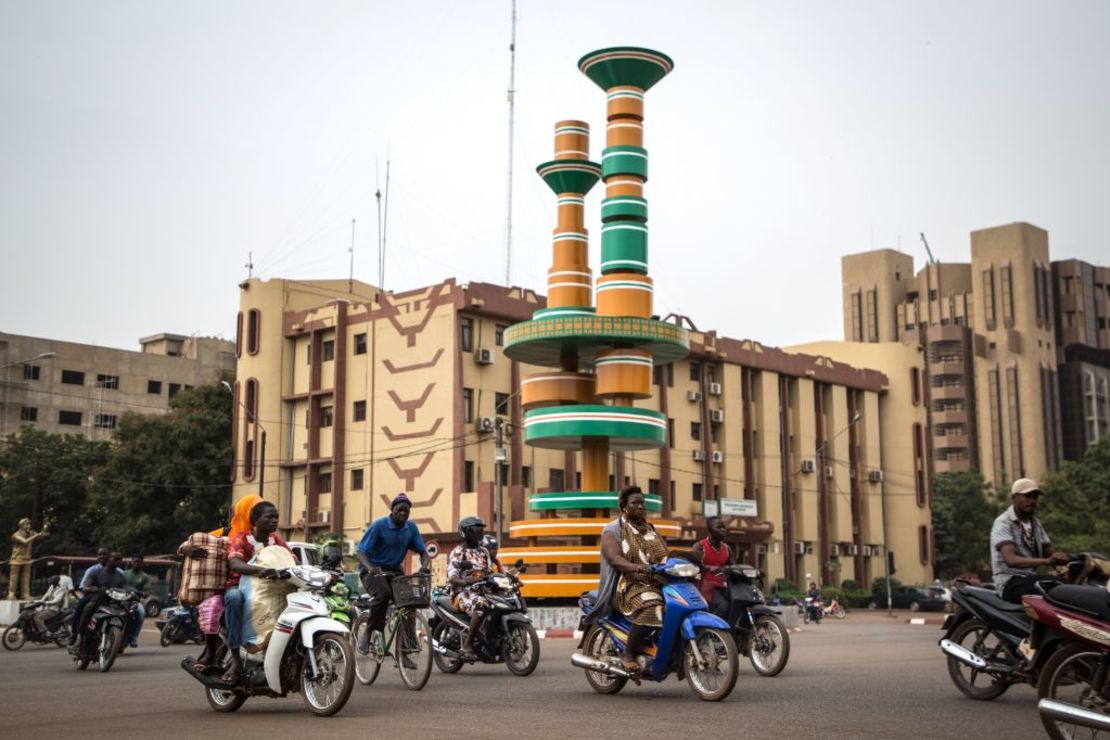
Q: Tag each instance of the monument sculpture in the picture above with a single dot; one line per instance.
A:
(19, 573)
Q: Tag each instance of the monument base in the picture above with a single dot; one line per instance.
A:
(9, 611)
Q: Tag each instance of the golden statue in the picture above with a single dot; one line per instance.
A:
(20, 563)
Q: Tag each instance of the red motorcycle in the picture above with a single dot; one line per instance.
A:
(1073, 622)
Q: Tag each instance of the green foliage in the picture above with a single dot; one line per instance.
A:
(850, 585)
(878, 586)
(52, 469)
(963, 512)
(1075, 507)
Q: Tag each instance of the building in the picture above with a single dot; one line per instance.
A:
(346, 395)
(997, 333)
(69, 388)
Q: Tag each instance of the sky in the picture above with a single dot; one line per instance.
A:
(148, 147)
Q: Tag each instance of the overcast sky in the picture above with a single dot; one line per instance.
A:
(147, 147)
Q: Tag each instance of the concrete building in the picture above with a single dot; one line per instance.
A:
(995, 333)
(69, 388)
(355, 395)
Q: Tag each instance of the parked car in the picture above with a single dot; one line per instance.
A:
(913, 598)
(305, 552)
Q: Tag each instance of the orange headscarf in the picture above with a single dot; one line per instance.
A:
(240, 516)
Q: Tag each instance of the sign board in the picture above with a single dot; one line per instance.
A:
(739, 507)
(432, 548)
(710, 508)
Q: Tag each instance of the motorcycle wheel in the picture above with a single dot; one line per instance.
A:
(326, 694)
(61, 637)
(1067, 677)
(109, 648)
(368, 662)
(520, 649)
(840, 612)
(973, 683)
(224, 701)
(14, 637)
(166, 638)
(153, 608)
(443, 634)
(770, 647)
(805, 619)
(718, 652)
(415, 675)
(599, 645)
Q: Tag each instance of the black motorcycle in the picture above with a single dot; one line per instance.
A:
(178, 625)
(103, 638)
(506, 636)
(23, 630)
(756, 628)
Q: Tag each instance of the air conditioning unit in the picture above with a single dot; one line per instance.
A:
(718, 457)
(828, 471)
(809, 548)
(485, 424)
(717, 416)
(324, 516)
(699, 455)
(853, 549)
(714, 389)
(834, 550)
(875, 476)
(483, 356)
(808, 466)
(693, 396)
(799, 548)
(868, 551)
(761, 549)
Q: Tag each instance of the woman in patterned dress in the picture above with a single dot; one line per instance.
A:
(631, 548)
(463, 595)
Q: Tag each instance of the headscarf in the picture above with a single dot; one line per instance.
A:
(240, 516)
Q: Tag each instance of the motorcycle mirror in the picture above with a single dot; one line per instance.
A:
(519, 563)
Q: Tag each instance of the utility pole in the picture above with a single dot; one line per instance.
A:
(509, 193)
(351, 249)
(500, 456)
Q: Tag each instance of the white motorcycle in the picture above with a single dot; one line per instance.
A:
(309, 651)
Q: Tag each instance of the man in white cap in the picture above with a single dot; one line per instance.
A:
(1019, 544)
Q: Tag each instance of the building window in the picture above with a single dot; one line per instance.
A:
(360, 344)
(670, 433)
(697, 491)
(501, 404)
(109, 382)
(329, 350)
(653, 486)
(105, 421)
(248, 459)
(323, 483)
(915, 385)
(499, 335)
(239, 335)
(356, 479)
(695, 370)
(526, 476)
(73, 377)
(673, 498)
(154, 387)
(468, 476)
(70, 418)
(28, 413)
(556, 479)
(466, 335)
(175, 388)
(359, 411)
(923, 544)
(31, 372)
(468, 406)
(503, 473)
(254, 319)
(327, 417)
(695, 430)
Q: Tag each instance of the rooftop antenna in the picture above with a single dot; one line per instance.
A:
(385, 223)
(250, 265)
(932, 260)
(509, 188)
(351, 249)
(378, 198)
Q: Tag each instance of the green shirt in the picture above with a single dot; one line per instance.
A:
(138, 580)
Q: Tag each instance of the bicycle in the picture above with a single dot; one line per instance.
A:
(406, 638)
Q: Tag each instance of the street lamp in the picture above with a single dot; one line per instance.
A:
(4, 367)
(251, 416)
(42, 356)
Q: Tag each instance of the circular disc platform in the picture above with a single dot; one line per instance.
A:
(545, 341)
(567, 427)
(556, 500)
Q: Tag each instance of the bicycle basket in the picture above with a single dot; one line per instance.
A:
(412, 591)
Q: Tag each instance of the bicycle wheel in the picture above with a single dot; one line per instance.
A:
(367, 649)
(413, 643)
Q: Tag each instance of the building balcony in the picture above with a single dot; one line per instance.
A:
(948, 367)
(952, 465)
(948, 391)
(949, 417)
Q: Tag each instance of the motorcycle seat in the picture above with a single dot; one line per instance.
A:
(1090, 599)
(445, 603)
(992, 599)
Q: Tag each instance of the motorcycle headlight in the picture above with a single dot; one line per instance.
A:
(501, 581)
(682, 570)
(118, 594)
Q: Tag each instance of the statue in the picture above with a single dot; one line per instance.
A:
(20, 563)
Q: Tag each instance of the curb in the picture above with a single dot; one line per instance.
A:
(926, 621)
(559, 633)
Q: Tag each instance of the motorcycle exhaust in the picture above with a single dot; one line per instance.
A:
(444, 650)
(962, 654)
(583, 661)
(1064, 712)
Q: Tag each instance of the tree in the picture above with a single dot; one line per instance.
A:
(963, 512)
(166, 476)
(1075, 509)
(45, 477)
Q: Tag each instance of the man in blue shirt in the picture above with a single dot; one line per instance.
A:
(382, 552)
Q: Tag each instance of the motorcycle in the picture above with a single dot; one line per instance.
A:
(986, 639)
(103, 638)
(506, 636)
(23, 629)
(692, 643)
(177, 625)
(811, 610)
(309, 651)
(1073, 687)
(834, 609)
(759, 633)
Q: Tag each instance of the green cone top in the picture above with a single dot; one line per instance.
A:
(570, 175)
(625, 65)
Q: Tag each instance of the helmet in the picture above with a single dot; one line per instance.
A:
(490, 543)
(467, 522)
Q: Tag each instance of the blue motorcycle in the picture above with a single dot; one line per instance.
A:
(692, 643)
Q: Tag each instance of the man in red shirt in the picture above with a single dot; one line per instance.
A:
(713, 553)
(241, 549)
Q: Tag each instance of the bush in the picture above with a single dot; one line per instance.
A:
(782, 584)
(850, 585)
(879, 585)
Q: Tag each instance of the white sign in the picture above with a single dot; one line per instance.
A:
(710, 508)
(739, 507)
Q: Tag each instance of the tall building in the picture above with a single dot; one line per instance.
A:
(997, 334)
(360, 394)
(69, 388)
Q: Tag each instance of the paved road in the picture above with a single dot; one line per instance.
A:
(866, 676)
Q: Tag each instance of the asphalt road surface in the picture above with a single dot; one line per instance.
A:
(868, 676)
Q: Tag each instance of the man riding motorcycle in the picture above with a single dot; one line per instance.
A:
(51, 604)
(110, 576)
(713, 553)
(1019, 544)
